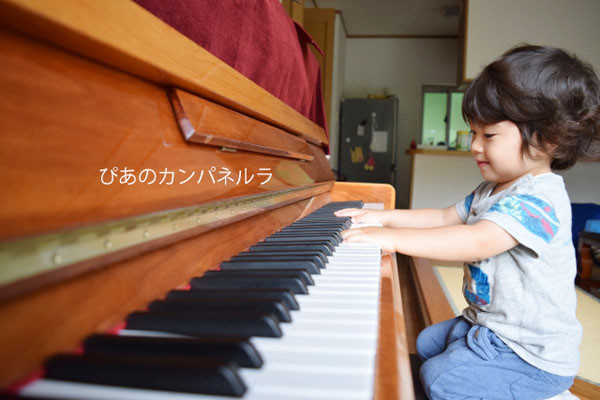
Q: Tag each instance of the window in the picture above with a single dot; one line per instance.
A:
(442, 116)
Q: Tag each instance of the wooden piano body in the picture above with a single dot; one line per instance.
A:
(87, 88)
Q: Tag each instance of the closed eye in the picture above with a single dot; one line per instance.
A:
(489, 135)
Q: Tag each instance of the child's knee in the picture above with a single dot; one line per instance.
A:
(428, 344)
(422, 345)
(432, 340)
(438, 382)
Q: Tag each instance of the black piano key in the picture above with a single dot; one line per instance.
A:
(301, 274)
(198, 323)
(312, 229)
(333, 231)
(258, 256)
(170, 374)
(292, 284)
(345, 204)
(300, 239)
(304, 232)
(323, 247)
(339, 205)
(275, 308)
(327, 216)
(290, 263)
(238, 350)
(336, 239)
(321, 222)
(286, 297)
(318, 257)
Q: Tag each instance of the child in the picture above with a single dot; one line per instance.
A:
(534, 110)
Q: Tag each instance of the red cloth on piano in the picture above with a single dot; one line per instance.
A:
(259, 40)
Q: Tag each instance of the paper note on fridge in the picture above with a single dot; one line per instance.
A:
(360, 130)
(379, 142)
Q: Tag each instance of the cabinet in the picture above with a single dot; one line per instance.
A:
(320, 24)
(295, 9)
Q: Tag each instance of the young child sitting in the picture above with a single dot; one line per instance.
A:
(532, 111)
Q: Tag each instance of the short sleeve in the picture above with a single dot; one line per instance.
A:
(531, 220)
(463, 207)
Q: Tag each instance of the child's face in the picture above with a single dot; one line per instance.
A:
(497, 149)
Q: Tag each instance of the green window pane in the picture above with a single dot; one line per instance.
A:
(434, 115)
(457, 123)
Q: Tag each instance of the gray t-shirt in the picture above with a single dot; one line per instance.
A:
(526, 295)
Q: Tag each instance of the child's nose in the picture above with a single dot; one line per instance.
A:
(476, 145)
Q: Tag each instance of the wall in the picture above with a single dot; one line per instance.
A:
(402, 66)
(495, 26)
(442, 180)
(337, 89)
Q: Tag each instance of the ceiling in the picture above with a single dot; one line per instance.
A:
(395, 17)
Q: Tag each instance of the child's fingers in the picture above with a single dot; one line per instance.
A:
(353, 235)
(349, 212)
(358, 235)
(350, 232)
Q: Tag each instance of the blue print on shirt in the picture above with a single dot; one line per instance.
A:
(468, 202)
(482, 287)
(534, 214)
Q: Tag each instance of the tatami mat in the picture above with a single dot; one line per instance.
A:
(588, 313)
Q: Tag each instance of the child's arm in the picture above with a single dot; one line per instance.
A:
(418, 218)
(452, 243)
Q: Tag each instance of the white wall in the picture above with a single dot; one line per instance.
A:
(337, 89)
(442, 180)
(495, 26)
(402, 66)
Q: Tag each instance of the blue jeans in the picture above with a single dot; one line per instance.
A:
(468, 362)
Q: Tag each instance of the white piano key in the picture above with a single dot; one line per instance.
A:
(323, 293)
(328, 311)
(316, 346)
(349, 286)
(328, 279)
(297, 376)
(348, 274)
(324, 325)
(338, 302)
(366, 318)
(136, 332)
(321, 339)
(46, 388)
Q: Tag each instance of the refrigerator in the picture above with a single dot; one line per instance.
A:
(367, 145)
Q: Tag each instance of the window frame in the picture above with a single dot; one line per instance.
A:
(449, 90)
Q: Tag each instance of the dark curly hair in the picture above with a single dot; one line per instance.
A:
(552, 97)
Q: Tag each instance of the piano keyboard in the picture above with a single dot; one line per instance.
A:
(296, 317)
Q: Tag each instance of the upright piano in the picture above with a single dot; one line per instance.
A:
(133, 164)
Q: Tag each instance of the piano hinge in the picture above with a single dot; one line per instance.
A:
(25, 258)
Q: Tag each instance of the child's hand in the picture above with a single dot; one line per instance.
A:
(361, 215)
(382, 236)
